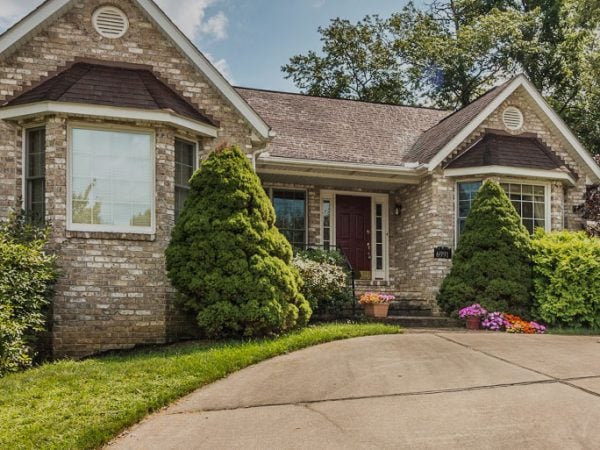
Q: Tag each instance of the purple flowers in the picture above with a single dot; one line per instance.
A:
(475, 310)
(495, 322)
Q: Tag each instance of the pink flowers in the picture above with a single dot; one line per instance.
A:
(475, 310)
(371, 298)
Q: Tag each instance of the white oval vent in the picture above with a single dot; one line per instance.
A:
(512, 118)
(110, 22)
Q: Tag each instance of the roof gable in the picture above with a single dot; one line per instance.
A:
(446, 136)
(51, 9)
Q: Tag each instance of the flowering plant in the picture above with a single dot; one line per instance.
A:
(495, 321)
(371, 298)
(518, 325)
(475, 310)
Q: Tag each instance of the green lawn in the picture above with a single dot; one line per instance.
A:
(83, 404)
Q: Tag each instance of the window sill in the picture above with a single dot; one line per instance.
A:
(119, 236)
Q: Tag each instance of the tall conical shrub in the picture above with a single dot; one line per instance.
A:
(227, 259)
(492, 262)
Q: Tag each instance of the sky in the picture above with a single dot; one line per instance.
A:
(247, 40)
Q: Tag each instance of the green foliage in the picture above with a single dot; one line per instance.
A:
(448, 53)
(492, 263)
(83, 404)
(325, 280)
(358, 62)
(228, 261)
(26, 277)
(566, 277)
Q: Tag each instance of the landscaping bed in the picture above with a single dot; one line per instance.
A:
(83, 404)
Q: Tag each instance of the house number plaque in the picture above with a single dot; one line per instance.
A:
(442, 253)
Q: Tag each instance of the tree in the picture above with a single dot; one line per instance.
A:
(449, 53)
(226, 258)
(358, 62)
(492, 262)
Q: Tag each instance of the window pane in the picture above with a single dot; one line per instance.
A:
(466, 194)
(35, 170)
(529, 201)
(290, 211)
(112, 178)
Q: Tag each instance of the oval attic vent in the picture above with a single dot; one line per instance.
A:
(110, 22)
(513, 118)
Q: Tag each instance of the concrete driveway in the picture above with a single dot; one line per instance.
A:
(430, 390)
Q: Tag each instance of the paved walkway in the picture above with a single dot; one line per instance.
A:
(430, 390)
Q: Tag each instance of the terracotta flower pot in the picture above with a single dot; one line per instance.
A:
(377, 309)
(473, 323)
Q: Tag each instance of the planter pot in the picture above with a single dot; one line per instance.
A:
(377, 310)
(473, 323)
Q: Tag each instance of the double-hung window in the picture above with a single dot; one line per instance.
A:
(111, 180)
(185, 164)
(290, 211)
(35, 174)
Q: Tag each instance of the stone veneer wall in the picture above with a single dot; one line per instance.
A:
(113, 292)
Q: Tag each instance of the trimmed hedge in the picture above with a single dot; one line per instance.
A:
(567, 279)
(229, 263)
(27, 274)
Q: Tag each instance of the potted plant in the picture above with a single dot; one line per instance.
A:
(472, 315)
(376, 305)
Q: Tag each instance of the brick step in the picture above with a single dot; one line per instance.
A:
(423, 322)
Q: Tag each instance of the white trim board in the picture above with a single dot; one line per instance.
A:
(563, 129)
(107, 112)
(511, 171)
(52, 8)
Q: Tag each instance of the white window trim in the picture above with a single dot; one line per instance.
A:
(110, 228)
(529, 182)
(270, 190)
(331, 195)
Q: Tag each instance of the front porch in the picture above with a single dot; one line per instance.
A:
(369, 215)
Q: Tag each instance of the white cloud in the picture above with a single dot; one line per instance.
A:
(191, 17)
(222, 66)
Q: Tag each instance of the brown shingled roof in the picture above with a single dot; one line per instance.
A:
(496, 149)
(340, 130)
(434, 139)
(122, 86)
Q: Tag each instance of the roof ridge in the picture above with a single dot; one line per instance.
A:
(300, 94)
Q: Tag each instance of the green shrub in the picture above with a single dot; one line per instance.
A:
(492, 262)
(26, 277)
(226, 258)
(325, 281)
(567, 279)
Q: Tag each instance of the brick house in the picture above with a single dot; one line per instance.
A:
(106, 111)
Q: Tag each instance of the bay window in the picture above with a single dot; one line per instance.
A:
(530, 203)
(35, 175)
(111, 180)
(185, 164)
(466, 195)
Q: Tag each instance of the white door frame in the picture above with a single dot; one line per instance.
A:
(376, 198)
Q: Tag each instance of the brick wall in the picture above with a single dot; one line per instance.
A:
(113, 292)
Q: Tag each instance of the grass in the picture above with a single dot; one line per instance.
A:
(83, 404)
(575, 331)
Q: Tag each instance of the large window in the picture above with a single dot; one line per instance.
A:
(112, 180)
(290, 209)
(185, 164)
(466, 195)
(530, 203)
(35, 174)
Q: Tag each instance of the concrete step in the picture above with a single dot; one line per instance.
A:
(423, 322)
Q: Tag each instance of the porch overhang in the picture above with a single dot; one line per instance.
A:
(335, 173)
(519, 172)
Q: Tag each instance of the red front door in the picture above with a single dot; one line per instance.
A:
(353, 230)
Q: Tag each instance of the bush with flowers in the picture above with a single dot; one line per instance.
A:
(497, 321)
(372, 298)
(475, 310)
